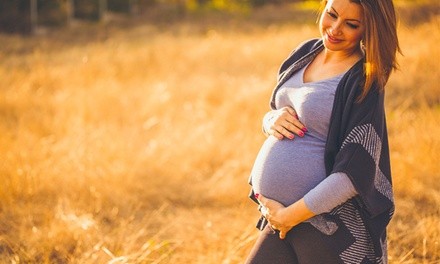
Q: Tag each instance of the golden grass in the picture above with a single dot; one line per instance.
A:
(134, 146)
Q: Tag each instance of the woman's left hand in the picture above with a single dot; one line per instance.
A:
(276, 214)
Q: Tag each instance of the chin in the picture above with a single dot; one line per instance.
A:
(332, 46)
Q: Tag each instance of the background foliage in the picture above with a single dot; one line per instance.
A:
(131, 141)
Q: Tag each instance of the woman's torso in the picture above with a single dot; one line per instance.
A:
(285, 170)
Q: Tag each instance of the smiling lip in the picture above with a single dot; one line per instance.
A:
(332, 39)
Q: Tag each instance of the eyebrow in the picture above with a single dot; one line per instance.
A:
(334, 10)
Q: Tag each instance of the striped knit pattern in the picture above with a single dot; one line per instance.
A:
(384, 246)
(362, 248)
(295, 67)
(367, 137)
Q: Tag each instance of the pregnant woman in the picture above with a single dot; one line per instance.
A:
(322, 177)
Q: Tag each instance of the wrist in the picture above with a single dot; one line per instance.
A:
(297, 213)
(288, 217)
(267, 120)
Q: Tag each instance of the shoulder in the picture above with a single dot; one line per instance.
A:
(309, 45)
(306, 47)
(352, 82)
(350, 90)
(300, 51)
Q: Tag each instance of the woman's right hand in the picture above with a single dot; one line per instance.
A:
(283, 123)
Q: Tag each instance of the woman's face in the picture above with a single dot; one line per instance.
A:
(341, 25)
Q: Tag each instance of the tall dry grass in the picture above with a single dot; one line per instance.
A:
(134, 145)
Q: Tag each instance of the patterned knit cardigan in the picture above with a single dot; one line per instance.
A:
(357, 144)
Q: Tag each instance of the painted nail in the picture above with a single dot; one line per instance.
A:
(291, 136)
(304, 129)
(301, 134)
(257, 195)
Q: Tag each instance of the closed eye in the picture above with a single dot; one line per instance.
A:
(353, 26)
(332, 15)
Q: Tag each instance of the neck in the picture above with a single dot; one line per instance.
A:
(332, 57)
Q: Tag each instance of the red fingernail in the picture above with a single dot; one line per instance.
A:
(304, 129)
(291, 136)
(301, 134)
(257, 195)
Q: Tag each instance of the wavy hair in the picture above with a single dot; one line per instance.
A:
(380, 42)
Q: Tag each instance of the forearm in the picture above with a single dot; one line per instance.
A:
(334, 190)
(331, 192)
(297, 213)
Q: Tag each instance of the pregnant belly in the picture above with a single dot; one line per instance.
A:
(285, 170)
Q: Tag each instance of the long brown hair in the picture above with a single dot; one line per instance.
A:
(380, 42)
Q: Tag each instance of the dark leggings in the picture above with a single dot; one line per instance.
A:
(303, 245)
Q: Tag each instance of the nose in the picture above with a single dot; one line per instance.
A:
(335, 29)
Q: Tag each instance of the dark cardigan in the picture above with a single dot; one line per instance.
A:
(357, 144)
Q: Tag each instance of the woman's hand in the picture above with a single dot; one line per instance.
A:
(284, 218)
(283, 123)
(275, 214)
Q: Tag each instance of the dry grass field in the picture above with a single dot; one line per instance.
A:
(134, 144)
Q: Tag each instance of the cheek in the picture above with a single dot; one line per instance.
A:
(356, 37)
(323, 23)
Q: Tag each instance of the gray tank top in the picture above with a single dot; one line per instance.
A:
(285, 170)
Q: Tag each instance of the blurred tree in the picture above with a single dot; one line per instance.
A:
(123, 6)
(70, 10)
(89, 9)
(34, 14)
(15, 16)
(119, 6)
(52, 12)
(102, 8)
(26, 15)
